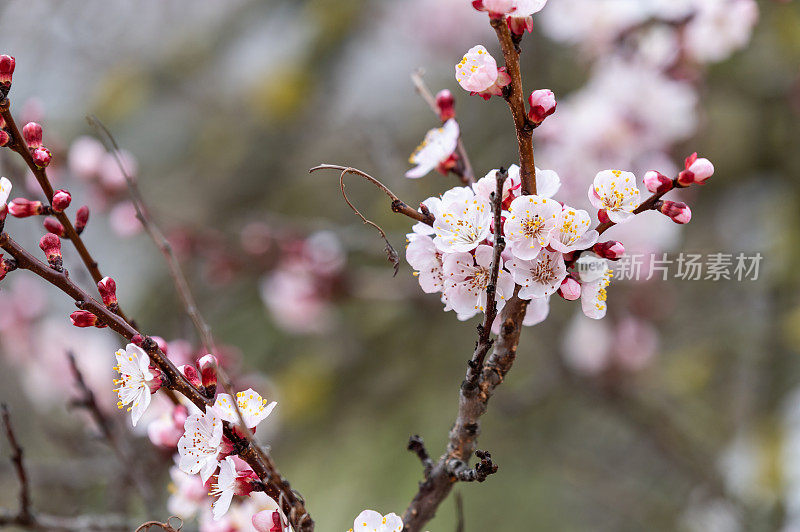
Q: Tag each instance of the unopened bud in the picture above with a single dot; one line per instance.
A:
(61, 200)
(32, 133)
(208, 372)
(268, 521)
(81, 219)
(22, 208)
(570, 289)
(7, 65)
(161, 343)
(51, 245)
(41, 157)
(678, 211)
(6, 265)
(191, 374)
(611, 250)
(108, 291)
(697, 171)
(543, 104)
(657, 183)
(137, 339)
(519, 25)
(54, 226)
(4, 137)
(446, 105)
(84, 318)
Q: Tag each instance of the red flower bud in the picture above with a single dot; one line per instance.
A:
(51, 245)
(108, 291)
(268, 521)
(657, 183)
(4, 138)
(84, 318)
(697, 171)
(22, 208)
(61, 200)
(41, 157)
(81, 219)
(445, 104)
(32, 133)
(543, 104)
(570, 289)
(519, 25)
(7, 65)
(208, 372)
(611, 250)
(6, 265)
(678, 211)
(190, 373)
(137, 339)
(54, 226)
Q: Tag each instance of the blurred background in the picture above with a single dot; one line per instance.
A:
(679, 411)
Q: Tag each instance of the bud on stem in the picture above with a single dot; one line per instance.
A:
(84, 318)
(51, 245)
(61, 200)
(81, 219)
(108, 291)
(678, 211)
(611, 250)
(22, 208)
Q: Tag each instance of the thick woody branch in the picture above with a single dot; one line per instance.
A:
(464, 169)
(18, 145)
(516, 103)
(398, 205)
(276, 486)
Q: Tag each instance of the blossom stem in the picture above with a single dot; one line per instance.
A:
(516, 103)
(18, 145)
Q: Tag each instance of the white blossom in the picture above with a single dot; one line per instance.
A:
(422, 255)
(530, 224)
(595, 277)
(462, 223)
(372, 521)
(466, 279)
(438, 146)
(252, 406)
(224, 488)
(540, 276)
(134, 381)
(615, 191)
(572, 231)
(201, 443)
(5, 190)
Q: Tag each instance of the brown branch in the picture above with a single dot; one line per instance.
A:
(163, 526)
(465, 172)
(53, 523)
(516, 103)
(275, 486)
(244, 440)
(398, 205)
(18, 145)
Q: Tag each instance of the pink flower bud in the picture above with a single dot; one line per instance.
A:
(161, 343)
(268, 521)
(137, 339)
(179, 415)
(697, 171)
(657, 183)
(81, 219)
(22, 208)
(678, 211)
(190, 373)
(84, 318)
(445, 104)
(4, 138)
(543, 104)
(32, 133)
(7, 65)
(54, 226)
(611, 250)
(602, 215)
(41, 157)
(570, 289)
(208, 370)
(519, 25)
(108, 291)
(61, 200)
(51, 245)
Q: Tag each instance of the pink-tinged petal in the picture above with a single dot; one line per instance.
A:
(538, 310)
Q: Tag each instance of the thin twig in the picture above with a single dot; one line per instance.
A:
(167, 525)
(391, 254)
(465, 173)
(459, 512)
(398, 205)
(24, 515)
